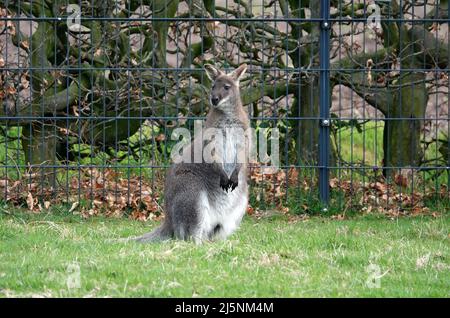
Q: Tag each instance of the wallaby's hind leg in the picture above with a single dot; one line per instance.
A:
(190, 234)
(215, 233)
(187, 218)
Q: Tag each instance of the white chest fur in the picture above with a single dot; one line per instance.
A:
(226, 211)
(232, 150)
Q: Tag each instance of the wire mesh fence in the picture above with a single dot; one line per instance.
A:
(91, 92)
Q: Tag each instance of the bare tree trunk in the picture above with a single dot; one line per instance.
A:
(306, 131)
(163, 9)
(402, 130)
(306, 102)
(40, 144)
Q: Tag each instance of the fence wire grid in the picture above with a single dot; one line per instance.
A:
(92, 90)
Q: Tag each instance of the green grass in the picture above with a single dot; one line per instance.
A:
(268, 257)
(365, 146)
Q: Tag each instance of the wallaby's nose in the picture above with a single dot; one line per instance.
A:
(215, 101)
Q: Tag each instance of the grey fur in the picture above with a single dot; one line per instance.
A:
(225, 184)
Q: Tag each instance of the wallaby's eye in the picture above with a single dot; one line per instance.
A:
(214, 86)
(227, 87)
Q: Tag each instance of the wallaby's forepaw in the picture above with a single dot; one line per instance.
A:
(232, 184)
(228, 185)
(224, 183)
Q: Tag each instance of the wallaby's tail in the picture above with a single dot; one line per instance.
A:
(162, 233)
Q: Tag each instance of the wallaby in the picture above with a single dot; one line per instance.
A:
(207, 200)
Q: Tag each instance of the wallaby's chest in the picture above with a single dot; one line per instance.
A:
(224, 209)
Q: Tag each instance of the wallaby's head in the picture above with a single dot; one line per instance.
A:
(225, 89)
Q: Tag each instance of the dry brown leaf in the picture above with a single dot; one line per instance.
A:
(212, 25)
(10, 90)
(64, 131)
(75, 111)
(160, 137)
(24, 81)
(334, 182)
(30, 201)
(74, 206)
(46, 204)
(139, 215)
(401, 180)
(338, 217)
(11, 27)
(293, 175)
(98, 52)
(434, 27)
(25, 45)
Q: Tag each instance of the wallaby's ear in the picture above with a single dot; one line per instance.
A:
(212, 72)
(239, 72)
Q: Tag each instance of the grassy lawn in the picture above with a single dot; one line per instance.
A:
(365, 146)
(41, 254)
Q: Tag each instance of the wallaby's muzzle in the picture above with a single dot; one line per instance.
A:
(214, 101)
